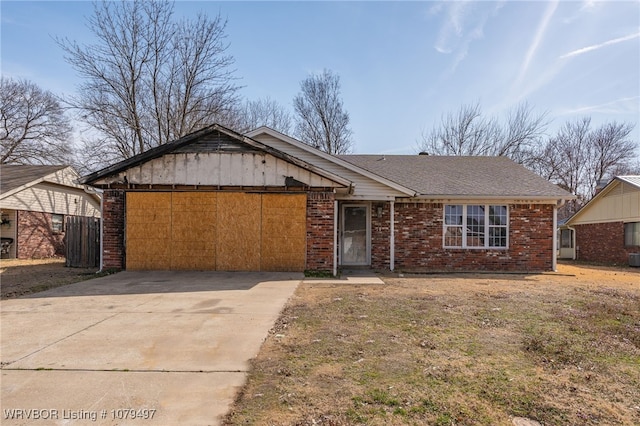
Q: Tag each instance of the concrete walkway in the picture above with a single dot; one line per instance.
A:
(136, 347)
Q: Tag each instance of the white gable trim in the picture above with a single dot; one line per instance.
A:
(329, 157)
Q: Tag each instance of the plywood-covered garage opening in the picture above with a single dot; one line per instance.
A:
(225, 231)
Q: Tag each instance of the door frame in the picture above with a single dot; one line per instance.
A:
(343, 206)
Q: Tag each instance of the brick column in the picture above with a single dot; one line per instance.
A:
(113, 215)
(320, 231)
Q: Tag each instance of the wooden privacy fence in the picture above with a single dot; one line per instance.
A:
(82, 241)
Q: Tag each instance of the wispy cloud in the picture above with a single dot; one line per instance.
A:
(464, 22)
(600, 45)
(537, 39)
(626, 105)
(452, 27)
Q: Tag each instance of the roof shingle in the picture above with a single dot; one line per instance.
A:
(15, 176)
(459, 176)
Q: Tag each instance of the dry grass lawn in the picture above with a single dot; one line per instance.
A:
(453, 350)
(19, 277)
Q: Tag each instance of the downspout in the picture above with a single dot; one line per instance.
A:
(100, 193)
(392, 240)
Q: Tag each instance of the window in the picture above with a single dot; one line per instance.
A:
(566, 238)
(632, 234)
(57, 223)
(475, 226)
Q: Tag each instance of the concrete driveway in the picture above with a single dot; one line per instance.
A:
(136, 347)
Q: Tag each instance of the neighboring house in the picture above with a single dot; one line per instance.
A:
(607, 228)
(34, 202)
(219, 200)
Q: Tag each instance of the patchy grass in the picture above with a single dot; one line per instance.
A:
(442, 350)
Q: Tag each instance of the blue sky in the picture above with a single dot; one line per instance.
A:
(402, 64)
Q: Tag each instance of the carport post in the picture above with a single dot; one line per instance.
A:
(392, 241)
(335, 238)
(554, 260)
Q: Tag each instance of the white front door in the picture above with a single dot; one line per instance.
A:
(355, 235)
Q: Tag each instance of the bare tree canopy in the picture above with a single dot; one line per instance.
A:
(34, 127)
(149, 79)
(321, 120)
(468, 132)
(578, 156)
(263, 112)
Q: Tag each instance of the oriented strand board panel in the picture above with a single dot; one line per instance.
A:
(283, 234)
(148, 230)
(193, 231)
(238, 233)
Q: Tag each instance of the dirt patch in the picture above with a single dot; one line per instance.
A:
(20, 277)
(471, 349)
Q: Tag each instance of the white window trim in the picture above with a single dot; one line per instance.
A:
(464, 233)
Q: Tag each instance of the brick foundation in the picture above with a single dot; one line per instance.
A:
(113, 254)
(418, 241)
(320, 219)
(36, 239)
(603, 242)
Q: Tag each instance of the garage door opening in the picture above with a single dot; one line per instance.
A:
(224, 231)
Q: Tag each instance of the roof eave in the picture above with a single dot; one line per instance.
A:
(332, 158)
(495, 197)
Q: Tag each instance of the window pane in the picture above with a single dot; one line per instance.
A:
(497, 237)
(453, 236)
(453, 215)
(565, 238)
(632, 234)
(57, 222)
(475, 226)
(498, 215)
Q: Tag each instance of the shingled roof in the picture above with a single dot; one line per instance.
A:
(15, 176)
(459, 176)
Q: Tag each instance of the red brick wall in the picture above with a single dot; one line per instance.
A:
(36, 239)
(603, 242)
(113, 234)
(320, 217)
(380, 235)
(418, 241)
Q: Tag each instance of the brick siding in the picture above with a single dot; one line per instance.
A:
(603, 242)
(113, 254)
(380, 235)
(418, 241)
(36, 239)
(320, 219)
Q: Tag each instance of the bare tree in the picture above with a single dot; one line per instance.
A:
(578, 157)
(321, 120)
(263, 112)
(34, 128)
(612, 152)
(468, 132)
(150, 79)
